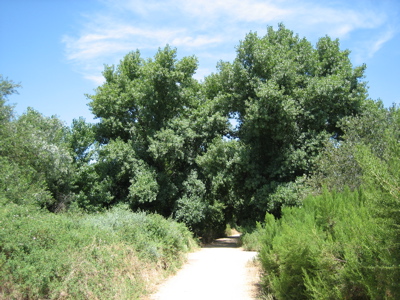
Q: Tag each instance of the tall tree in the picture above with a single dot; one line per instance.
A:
(142, 108)
(7, 88)
(287, 98)
(40, 143)
(140, 96)
(154, 123)
(36, 161)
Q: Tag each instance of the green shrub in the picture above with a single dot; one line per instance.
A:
(113, 255)
(18, 185)
(252, 241)
(330, 248)
(262, 235)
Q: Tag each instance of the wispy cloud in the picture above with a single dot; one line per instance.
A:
(208, 27)
(98, 80)
(366, 48)
(194, 42)
(237, 10)
(105, 40)
(377, 44)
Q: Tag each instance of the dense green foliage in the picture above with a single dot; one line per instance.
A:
(285, 129)
(154, 124)
(333, 247)
(71, 255)
(287, 98)
(113, 255)
(164, 142)
(341, 245)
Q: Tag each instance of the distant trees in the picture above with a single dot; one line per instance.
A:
(7, 87)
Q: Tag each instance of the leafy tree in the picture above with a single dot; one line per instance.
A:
(221, 167)
(176, 148)
(337, 166)
(144, 148)
(7, 88)
(140, 96)
(40, 143)
(287, 98)
(81, 139)
(191, 207)
(154, 124)
(35, 158)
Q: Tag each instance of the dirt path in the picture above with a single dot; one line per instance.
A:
(221, 270)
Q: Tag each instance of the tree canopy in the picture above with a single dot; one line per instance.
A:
(226, 149)
(166, 142)
(287, 98)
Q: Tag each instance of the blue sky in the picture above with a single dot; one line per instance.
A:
(57, 48)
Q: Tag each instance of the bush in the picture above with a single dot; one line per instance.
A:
(17, 185)
(344, 245)
(154, 237)
(262, 235)
(252, 241)
(330, 248)
(114, 255)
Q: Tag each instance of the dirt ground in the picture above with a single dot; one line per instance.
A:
(221, 270)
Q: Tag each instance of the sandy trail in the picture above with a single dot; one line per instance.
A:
(221, 270)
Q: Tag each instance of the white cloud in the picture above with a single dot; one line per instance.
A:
(368, 47)
(119, 38)
(237, 10)
(207, 26)
(98, 80)
(377, 44)
(199, 41)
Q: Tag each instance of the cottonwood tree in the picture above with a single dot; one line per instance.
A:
(165, 143)
(287, 98)
(153, 123)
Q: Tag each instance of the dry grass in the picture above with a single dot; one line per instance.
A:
(254, 273)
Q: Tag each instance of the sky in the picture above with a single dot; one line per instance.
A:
(57, 49)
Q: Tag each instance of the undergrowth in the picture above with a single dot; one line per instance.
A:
(114, 255)
(333, 247)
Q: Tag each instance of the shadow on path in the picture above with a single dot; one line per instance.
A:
(227, 242)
